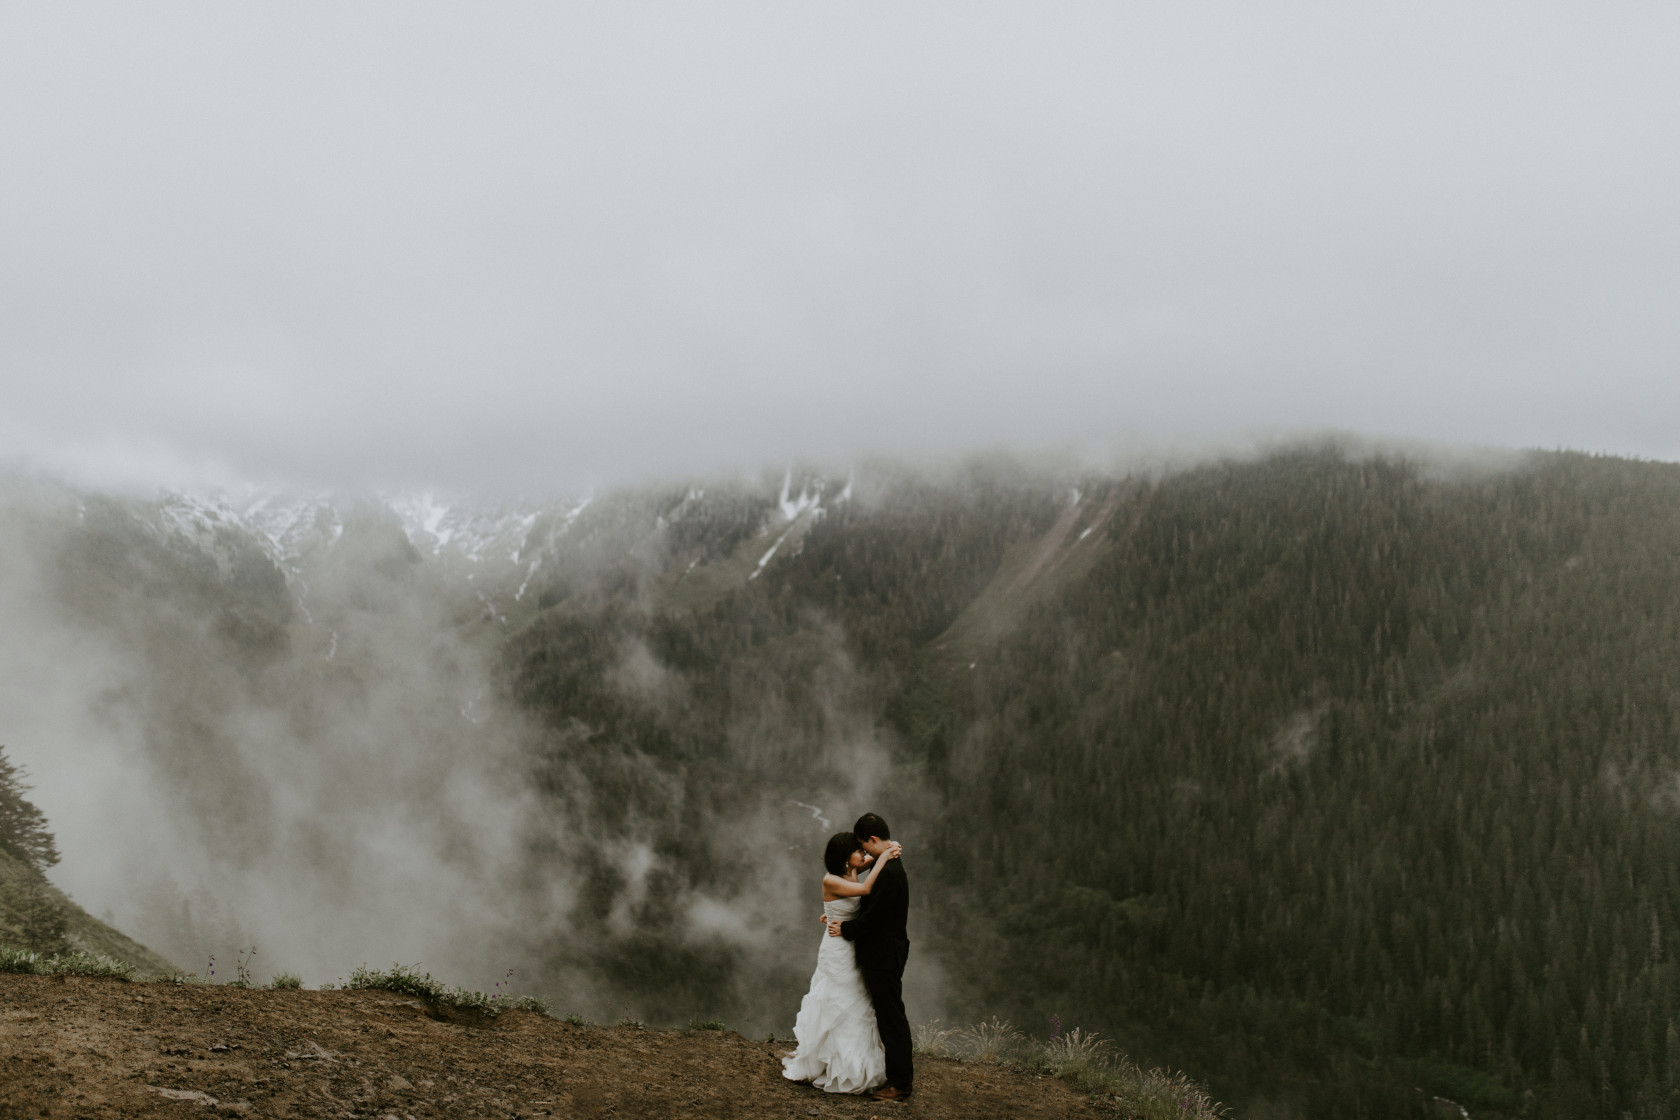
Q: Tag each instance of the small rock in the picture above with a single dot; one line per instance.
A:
(219, 1048)
(397, 1081)
(185, 1095)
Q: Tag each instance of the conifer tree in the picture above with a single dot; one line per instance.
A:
(23, 828)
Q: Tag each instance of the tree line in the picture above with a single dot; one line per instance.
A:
(1342, 783)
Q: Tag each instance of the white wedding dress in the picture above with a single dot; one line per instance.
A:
(840, 1048)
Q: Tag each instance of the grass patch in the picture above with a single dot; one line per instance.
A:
(634, 1024)
(1082, 1058)
(577, 1020)
(932, 1039)
(64, 964)
(409, 980)
(706, 1025)
(990, 1041)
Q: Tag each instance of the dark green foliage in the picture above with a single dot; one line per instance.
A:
(1335, 778)
(1343, 785)
(34, 911)
(23, 829)
(115, 556)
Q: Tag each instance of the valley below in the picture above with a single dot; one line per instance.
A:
(1345, 782)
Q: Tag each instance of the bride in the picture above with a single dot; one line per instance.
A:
(839, 1047)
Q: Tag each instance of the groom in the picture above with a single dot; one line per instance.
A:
(882, 946)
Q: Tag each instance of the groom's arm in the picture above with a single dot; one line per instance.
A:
(890, 894)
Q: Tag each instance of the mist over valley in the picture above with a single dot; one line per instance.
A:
(1326, 774)
(487, 493)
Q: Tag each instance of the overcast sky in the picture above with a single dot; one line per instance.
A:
(528, 247)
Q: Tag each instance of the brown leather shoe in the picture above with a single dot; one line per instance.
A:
(890, 1093)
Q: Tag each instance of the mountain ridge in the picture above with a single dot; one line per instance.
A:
(1327, 776)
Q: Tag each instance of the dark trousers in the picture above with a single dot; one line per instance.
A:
(886, 992)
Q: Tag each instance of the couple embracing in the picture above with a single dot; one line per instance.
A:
(853, 1034)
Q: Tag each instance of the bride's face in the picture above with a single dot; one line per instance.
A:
(860, 859)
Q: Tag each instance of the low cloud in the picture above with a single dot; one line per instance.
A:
(531, 249)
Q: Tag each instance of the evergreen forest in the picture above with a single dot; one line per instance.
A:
(1347, 783)
(1344, 784)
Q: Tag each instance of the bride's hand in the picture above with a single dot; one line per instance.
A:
(894, 850)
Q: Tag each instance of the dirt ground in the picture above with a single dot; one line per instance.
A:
(77, 1048)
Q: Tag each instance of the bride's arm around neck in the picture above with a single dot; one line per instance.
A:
(838, 886)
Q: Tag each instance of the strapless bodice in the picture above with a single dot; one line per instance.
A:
(843, 909)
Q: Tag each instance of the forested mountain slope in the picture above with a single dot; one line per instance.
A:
(1342, 782)
(1336, 772)
(1331, 780)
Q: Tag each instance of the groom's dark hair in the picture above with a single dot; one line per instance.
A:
(871, 824)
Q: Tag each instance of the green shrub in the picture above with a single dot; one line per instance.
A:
(285, 980)
(65, 964)
(705, 1025)
(18, 960)
(577, 1020)
(90, 964)
(409, 980)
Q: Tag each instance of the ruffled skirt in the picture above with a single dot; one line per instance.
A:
(840, 1047)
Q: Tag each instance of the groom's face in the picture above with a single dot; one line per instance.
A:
(874, 845)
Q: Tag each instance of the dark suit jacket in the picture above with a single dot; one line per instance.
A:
(878, 932)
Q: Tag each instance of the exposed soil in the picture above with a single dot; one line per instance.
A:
(1029, 572)
(74, 1048)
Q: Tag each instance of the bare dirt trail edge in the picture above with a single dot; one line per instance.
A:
(99, 1049)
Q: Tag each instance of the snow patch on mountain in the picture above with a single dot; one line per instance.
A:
(474, 533)
(291, 526)
(808, 499)
(798, 514)
(561, 525)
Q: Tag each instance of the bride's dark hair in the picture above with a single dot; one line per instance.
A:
(839, 852)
